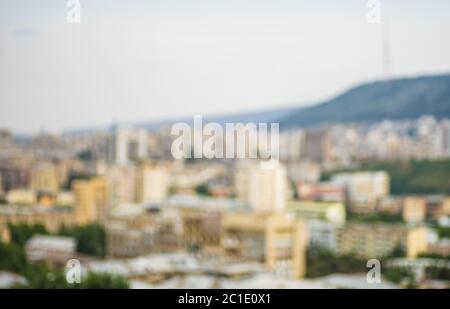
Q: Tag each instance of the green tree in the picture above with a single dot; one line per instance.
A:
(397, 275)
(103, 281)
(322, 262)
(90, 238)
(203, 190)
(12, 258)
(21, 232)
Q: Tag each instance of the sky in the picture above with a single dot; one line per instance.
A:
(136, 60)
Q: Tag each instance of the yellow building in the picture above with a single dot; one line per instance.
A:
(44, 177)
(91, 200)
(275, 239)
(414, 209)
(52, 218)
(331, 212)
(416, 241)
(380, 239)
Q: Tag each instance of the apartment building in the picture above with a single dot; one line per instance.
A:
(91, 200)
(277, 240)
(364, 189)
(326, 211)
(44, 177)
(380, 239)
(52, 218)
(262, 184)
(152, 182)
(414, 209)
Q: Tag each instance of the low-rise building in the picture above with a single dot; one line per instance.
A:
(21, 197)
(441, 248)
(134, 230)
(364, 188)
(324, 191)
(414, 209)
(436, 205)
(381, 239)
(44, 177)
(178, 223)
(389, 205)
(9, 280)
(322, 234)
(331, 212)
(50, 217)
(56, 250)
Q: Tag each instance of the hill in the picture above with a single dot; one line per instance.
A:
(406, 98)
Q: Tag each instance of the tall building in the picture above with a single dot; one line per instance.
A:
(152, 182)
(262, 185)
(44, 177)
(91, 200)
(127, 145)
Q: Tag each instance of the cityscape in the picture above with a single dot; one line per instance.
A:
(351, 192)
(117, 202)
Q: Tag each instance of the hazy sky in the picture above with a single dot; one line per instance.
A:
(137, 60)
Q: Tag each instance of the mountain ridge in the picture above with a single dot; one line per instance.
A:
(403, 98)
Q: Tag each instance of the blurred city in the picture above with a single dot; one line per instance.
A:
(97, 192)
(118, 202)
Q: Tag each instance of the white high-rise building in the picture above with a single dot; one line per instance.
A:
(262, 184)
(127, 144)
(152, 182)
